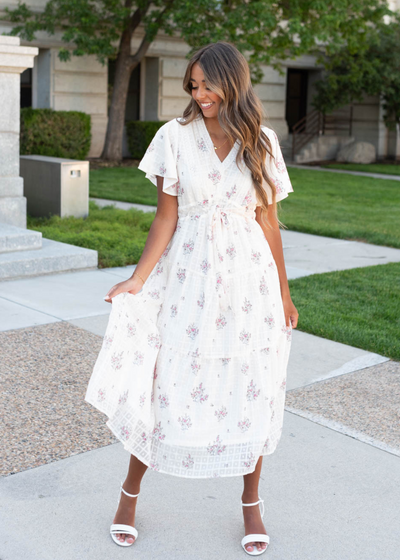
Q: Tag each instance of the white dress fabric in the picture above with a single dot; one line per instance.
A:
(192, 369)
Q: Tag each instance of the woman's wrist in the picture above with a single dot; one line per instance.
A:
(285, 292)
(139, 276)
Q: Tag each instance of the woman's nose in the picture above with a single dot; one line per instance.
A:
(200, 95)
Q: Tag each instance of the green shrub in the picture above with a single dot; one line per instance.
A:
(140, 134)
(65, 134)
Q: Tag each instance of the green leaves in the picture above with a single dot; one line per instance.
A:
(371, 69)
(268, 31)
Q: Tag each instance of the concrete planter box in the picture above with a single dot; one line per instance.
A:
(55, 186)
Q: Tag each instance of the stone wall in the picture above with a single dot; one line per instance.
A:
(368, 126)
(77, 85)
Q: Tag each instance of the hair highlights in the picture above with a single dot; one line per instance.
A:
(240, 112)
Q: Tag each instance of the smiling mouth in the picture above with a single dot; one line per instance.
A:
(206, 106)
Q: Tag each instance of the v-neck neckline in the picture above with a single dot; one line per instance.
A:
(210, 143)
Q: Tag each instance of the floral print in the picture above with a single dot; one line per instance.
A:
(181, 274)
(192, 331)
(192, 369)
(252, 394)
(198, 394)
(201, 145)
(185, 422)
(220, 321)
(221, 413)
(214, 176)
(188, 247)
(205, 266)
(244, 425)
(188, 461)
(246, 307)
(164, 401)
(245, 336)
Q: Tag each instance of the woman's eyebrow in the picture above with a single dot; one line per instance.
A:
(193, 80)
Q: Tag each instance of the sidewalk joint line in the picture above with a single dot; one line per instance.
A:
(344, 430)
(32, 309)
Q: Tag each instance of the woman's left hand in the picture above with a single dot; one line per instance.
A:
(291, 313)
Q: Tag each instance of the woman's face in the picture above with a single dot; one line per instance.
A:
(206, 99)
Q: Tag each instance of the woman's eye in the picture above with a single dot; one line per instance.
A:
(191, 87)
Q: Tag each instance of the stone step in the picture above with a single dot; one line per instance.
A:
(52, 257)
(13, 238)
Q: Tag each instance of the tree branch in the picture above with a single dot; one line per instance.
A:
(137, 17)
(146, 41)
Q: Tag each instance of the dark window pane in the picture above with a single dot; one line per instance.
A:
(26, 88)
(296, 96)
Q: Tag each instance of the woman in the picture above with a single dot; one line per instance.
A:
(192, 370)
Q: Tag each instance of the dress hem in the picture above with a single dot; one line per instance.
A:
(161, 471)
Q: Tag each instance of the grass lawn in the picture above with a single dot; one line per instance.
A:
(359, 307)
(119, 236)
(343, 206)
(127, 184)
(330, 204)
(385, 169)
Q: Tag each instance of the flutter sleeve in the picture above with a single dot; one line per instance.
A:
(161, 158)
(276, 169)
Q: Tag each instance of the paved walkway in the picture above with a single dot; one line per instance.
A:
(123, 205)
(326, 488)
(361, 173)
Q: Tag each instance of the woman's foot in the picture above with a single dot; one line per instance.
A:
(126, 512)
(253, 522)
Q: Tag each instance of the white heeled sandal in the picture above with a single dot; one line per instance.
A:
(255, 537)
(125, 529)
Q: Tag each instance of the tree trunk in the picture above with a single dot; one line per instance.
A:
(113, 143)
(126, 63)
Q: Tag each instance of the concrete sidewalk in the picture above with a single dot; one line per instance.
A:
(78, 296)
(331, 491)
(346, 172)
(327, 497)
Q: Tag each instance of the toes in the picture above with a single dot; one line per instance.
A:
(124, 537)
(258, 545)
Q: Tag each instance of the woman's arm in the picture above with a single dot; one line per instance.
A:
(160, 234)
(273, 236)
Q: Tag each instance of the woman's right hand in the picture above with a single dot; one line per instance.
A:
(133, 285)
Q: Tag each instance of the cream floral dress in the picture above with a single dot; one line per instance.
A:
(192, 370)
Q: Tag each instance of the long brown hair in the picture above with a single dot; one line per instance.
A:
(240, 112)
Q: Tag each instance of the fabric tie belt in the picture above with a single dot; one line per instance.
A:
(219, 218)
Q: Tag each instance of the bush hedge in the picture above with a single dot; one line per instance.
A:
(140, 134)
(46, 132)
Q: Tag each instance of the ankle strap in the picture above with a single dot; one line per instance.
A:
(260, 501)
(126, 493)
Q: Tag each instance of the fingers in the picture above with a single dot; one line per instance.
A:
(291, 321)
(111, 293)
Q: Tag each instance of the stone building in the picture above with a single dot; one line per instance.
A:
(156, 93)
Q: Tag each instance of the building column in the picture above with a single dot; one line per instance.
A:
(14, 59)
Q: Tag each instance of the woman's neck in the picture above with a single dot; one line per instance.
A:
(214, 128)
